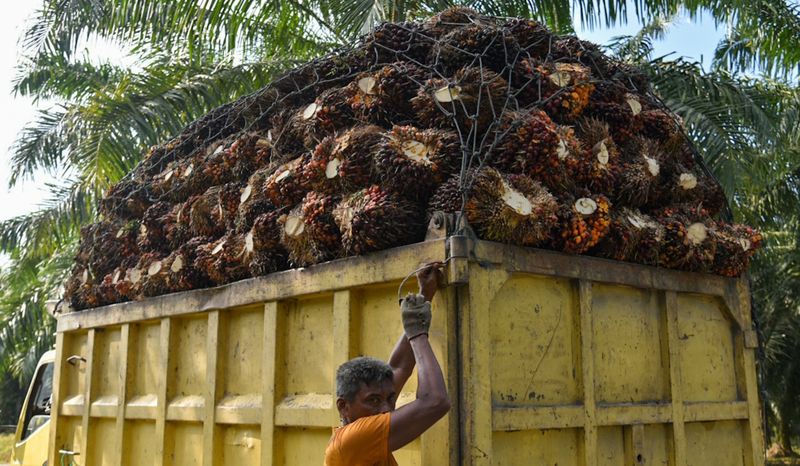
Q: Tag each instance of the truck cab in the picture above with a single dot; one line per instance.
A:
(33, 428)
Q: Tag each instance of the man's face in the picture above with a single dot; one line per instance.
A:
(372, 399)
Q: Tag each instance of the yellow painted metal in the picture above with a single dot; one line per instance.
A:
(549, 359)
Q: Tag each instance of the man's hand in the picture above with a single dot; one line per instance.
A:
(428, 279)
(416, 314)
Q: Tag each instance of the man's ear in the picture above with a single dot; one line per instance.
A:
(341, 405)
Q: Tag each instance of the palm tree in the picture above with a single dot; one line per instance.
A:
(194, 56)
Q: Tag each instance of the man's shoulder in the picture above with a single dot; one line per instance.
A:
(367, 437)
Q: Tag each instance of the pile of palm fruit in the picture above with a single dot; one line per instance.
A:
(533, 139)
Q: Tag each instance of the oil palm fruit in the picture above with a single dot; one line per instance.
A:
(687, 242)
(533, 38)
(584, 221)
(224, 260)
(390, 42)
(632, 236)
(253, 200)
(511, 208)
(659, 124)
(383, 96)
(309, 232)
(285, 186)
(472, 100)
(375, 218)
(640, 176)
(127, 199)
(344, 163)
(695, 188)
(599, 169)
(529, 140)
(249, 152)
(152, 235)
(453, 18)
(413, 161)
(214, 212)
(475, 45)
(563, 89)
(736, 244)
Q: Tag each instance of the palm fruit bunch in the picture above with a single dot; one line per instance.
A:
(346, 162)
(263, 242)
(633, 236)
(224, 260)
(285, 185)
(584, 220)
(688, 245)
(474, 45)
(563, 89)
(736, 245)
(472, 100)
(309, 232)
(533, 139)
(376, 218)
(640, 177)
(384, 96)
(214, 212)
(599, 168)
(507, 208)
(413, 161)
(253, 200)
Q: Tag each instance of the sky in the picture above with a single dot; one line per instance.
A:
(685, 38)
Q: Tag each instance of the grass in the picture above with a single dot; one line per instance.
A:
(6, 443)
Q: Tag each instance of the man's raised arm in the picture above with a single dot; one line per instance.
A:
(402, 358)
(432, 403)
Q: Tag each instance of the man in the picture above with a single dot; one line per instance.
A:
(367, 390)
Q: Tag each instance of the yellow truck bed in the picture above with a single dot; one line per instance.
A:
(549, 359)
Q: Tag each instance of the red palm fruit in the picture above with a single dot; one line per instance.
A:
(571, 48)
(632, 236)
(584, 221)
(687, 242)
(511, 208)
(473, 99)
(384, 96)
(285, 186)
(680, 154)
(215, 211)
(453, 18)
(448, 197)
(640, 177)
(528, 141)
(344, 163)
(253, 200)
(152, 234)
(697, 189)
(659, 124)
(309, 232)
(736, 244)
(266, 231)
(249, 152)
(375, 218)
(176, 223)
(224, 260)
(562, 89)
(620, 115)
(328, 113)
(390, 42)
(599, 169)
(476, 45)
(412, 161)
(126, 200)
(110, 243)
(533, 37)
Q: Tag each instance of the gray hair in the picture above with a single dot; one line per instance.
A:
(354, 372)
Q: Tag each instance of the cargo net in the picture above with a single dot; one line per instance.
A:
(526, 137)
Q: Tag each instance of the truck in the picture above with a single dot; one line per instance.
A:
(549, 358)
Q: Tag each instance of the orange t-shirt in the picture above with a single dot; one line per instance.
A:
(364, 442)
